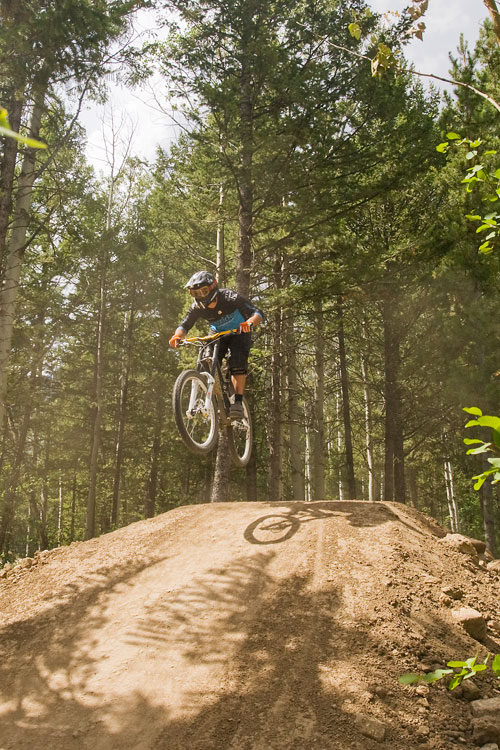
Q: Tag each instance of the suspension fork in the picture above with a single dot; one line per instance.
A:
(210, 377)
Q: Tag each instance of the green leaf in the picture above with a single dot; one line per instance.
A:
(438, 674)
(355, 30)
(453, 136)
(486, 248)
(455, 682)
(31, 142)
(484, 448)
(409, 679)
(478, 668)
(471, 154)
(443, 147)
(458, 664)
(497, 174)
(472, 423)
(473, 410)
(473, 217)
(489, 421)
(481, 479)
(472, 441)
(495, 665)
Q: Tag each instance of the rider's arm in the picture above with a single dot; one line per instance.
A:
(253, 316)
(255, 319)
(192, 316)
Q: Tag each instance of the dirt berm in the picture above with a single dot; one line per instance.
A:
(243, 626)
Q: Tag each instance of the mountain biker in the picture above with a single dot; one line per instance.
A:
(224, 310)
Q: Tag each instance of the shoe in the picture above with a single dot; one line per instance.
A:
(236, 410)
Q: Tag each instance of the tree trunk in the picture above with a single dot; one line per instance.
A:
(318, 448)
(413, 486)
(245, 212)
(495, 17)
(44, 500)
(275, 433)
(340, 452)
(73, 508)
(346, 411)
(9, 500)
(11, 147)
(97, 401)
(293, 413)
(251, 469)
(16, 245)
(251, 478)
(451, 497)
(488, 512)
(128, 331)
(155, 455)
(60, 513)
(222, 473)
(307, 457)
(395, 489)
(368, 423)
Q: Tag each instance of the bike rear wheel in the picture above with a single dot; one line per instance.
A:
(197, 426)
(240, 437)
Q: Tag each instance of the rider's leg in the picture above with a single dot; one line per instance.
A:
(238, 362)
(239, 382)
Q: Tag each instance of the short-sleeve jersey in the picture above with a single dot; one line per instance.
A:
(231, 310)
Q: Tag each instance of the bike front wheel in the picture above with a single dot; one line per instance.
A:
(240, 437)
(198, 425)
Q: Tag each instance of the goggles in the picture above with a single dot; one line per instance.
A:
(202, 291)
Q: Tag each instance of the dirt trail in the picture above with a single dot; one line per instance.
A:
(240, 626)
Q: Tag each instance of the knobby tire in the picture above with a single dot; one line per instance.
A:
(199, 433)
(240, 438)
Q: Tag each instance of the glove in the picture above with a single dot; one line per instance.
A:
(174, 341)
(245, 327)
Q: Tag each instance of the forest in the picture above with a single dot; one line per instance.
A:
(310, 182)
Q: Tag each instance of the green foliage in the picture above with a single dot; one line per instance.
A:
(483, 446)
(482, 178)
(468, 669)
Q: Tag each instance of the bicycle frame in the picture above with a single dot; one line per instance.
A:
(209, 353)
(201, 401)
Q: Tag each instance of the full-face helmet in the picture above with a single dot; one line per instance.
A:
(203, 287)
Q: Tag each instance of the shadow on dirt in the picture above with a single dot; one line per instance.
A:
(46, 663)
(277, 527)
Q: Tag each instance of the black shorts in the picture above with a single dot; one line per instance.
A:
(238, 345)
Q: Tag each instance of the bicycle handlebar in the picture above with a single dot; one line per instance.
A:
(211, 337)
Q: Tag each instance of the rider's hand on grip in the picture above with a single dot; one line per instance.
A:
(174, 341)
(245, 327)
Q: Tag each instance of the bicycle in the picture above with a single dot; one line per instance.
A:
(201, 402)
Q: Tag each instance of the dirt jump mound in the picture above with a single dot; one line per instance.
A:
(248, 626)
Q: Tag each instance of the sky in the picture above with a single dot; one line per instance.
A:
(445, 20)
